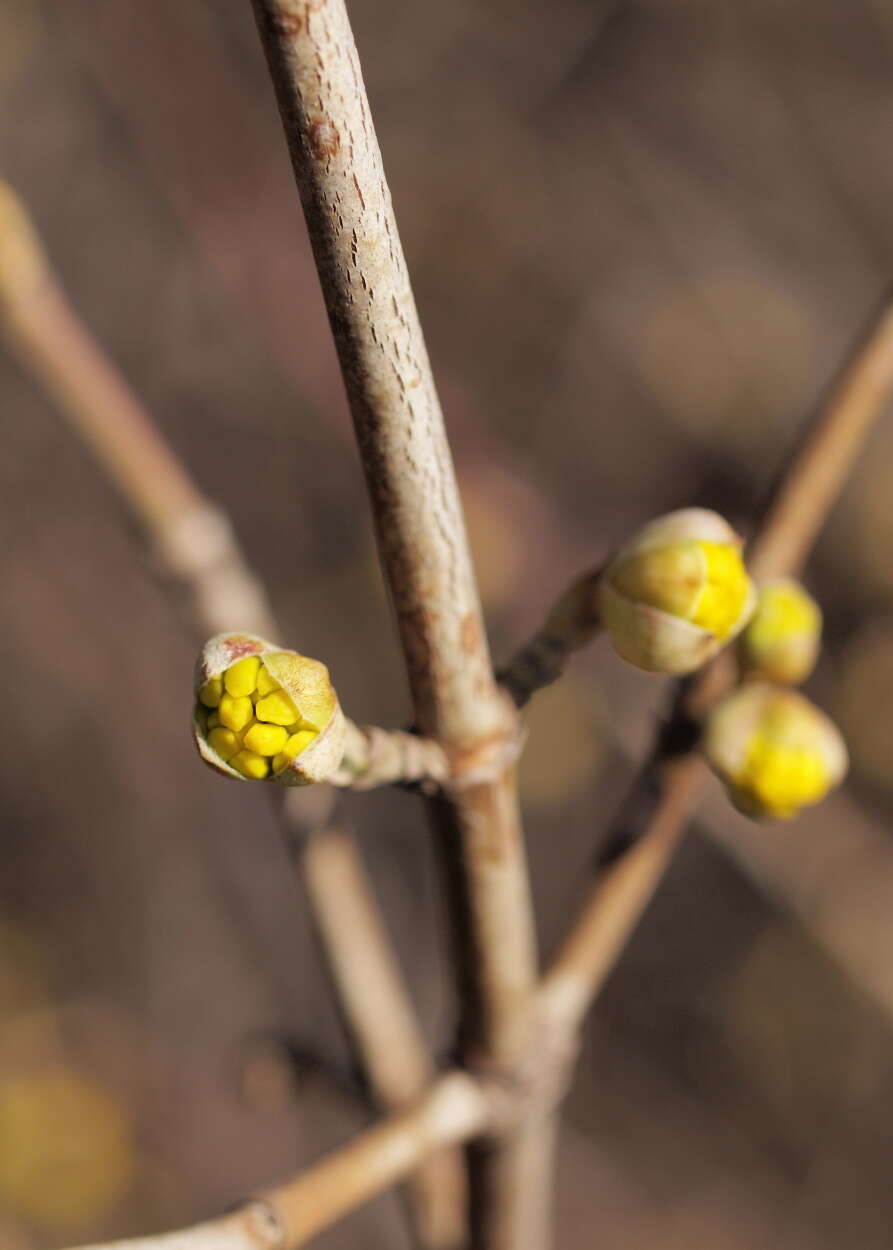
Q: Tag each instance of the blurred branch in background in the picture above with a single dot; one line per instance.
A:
(682, 169)
(455, 1108)
(195, 545)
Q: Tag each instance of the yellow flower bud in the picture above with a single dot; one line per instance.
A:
(781, 643)
(264, 713)
(677, 593)
(775, 750)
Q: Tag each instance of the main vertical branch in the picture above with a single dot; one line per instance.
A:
(390, 388)
(420, 529)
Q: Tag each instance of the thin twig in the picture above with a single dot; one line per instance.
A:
(380, 757)
(809, 485)
(192, 537)
(197, 547)
(571, 624)
(420, 530)
(804, 493)
(378, 1014)
(455, 1109)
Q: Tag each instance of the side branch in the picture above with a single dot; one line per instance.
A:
(804, 493)
(810, 483)
(572, 623)
(380, 757)
(196, 547)
(380, 1018)
(288, 1216)
(192, 538)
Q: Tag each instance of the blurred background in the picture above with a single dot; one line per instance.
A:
(643, 235)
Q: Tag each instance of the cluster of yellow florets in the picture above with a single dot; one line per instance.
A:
(250, 721)
(774, 749)
(677, 593)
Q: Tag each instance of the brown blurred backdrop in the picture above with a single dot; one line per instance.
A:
(643, 234)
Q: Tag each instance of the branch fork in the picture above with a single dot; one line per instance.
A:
(519, 1031)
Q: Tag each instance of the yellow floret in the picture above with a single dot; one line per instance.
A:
(265, 683)
(224, 742)
(211, 691)
(277, 708)
(297, 742)
(265, 739)
(250, 765)
(213, 720)
(705, 583)
(235, 713)
(724, 592)
(241, 678)
(778, 779)
(784, 611)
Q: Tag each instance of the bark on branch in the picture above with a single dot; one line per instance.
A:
(421, 537)
(197, 550)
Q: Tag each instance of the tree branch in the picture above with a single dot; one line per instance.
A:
(192, 537)
(454, 1109)
(384, 1027)
(197, 548)
(805, 491)
(379, 757)
(419, 525)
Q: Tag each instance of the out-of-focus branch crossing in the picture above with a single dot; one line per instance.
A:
(518, 1034)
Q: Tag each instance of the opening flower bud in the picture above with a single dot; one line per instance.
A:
(781, 643)
(677, 593)
(266, 714)
(775, 750)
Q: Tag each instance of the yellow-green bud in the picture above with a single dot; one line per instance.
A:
(775, 750)
(677, 593)
(266, 714)
(781, 643)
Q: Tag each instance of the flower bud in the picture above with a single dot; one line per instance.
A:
(781, 643)
(266, 714)
(677, 593)
(775, 750)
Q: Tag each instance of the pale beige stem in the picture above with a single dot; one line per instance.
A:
(192, 537)
(409, 474)
(196, 545)
(810, 484)
(455, 1109)
(615, 903)
(805, 492)
(571, 624)
(386, 1030)
(380, 757)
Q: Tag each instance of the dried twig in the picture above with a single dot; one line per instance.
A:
(420, 530)
(799, 501)
(572, 623)
(193, 538)
(377, 757)
(197, 547)
(456, 1108)
(386, 1030)
(458, 704)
